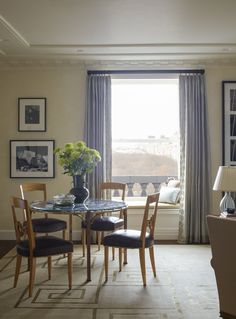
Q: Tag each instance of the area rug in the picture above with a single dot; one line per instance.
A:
(184, 288)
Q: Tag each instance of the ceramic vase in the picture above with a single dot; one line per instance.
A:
(79, 190)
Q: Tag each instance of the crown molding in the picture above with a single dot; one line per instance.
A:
(40, 63)
(6, 63)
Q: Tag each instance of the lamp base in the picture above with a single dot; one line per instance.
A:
(227, 202)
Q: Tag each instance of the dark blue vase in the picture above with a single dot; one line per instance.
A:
(79, 190)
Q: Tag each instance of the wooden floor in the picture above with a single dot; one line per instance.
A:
(5, 246)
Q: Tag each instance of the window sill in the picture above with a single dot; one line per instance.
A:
(132, 204)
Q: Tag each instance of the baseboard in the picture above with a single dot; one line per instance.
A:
(167, 233)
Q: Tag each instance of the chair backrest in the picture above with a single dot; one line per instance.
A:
(111, 186)
(30, 187)
(222, 239)
(23, 228)
(27, 188)
(149, 216)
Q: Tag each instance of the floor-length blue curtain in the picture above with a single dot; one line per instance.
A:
(195, 159)
(98, 128)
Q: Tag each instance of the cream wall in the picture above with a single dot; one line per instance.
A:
(214, 77)
(64, 88)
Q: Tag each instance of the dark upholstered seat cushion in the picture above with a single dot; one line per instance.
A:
(105, 223)
(48, 225)
(127, 239)
(45, 246)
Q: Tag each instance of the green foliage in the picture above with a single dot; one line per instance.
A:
(143, 164)
(77, 159)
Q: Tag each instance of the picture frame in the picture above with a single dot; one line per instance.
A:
(32, 114)
(229, 123)
(32, 159)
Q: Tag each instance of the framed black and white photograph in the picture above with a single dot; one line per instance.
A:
(229, 122)
(32, 159)
(31, 114)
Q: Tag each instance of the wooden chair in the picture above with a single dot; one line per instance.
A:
(46, 224)
(135, 239)
(105, 223)
(222, 238)
(27, 245)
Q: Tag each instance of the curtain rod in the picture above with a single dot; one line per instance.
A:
(200, 71)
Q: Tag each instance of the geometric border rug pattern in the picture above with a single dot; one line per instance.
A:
(184, 288)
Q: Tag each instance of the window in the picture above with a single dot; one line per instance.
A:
(145, 132)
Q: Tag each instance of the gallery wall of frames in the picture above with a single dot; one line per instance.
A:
(32, 158)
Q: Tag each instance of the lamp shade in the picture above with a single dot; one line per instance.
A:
(225, 179)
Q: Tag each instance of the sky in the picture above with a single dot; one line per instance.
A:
(142, 108)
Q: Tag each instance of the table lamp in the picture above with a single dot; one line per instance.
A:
(226, 182)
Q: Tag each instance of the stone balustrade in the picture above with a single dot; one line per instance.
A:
(140, 186)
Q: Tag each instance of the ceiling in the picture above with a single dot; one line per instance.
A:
(117, 29)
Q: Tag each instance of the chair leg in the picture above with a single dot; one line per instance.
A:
(64, 237)
(113, 253)
(99, 239)
(125, 256)
(142, 264)
(106, 256)
(28, 264)
(17, 271)
(49, 267)
(32, 275)
(70, 270)
(83, 239)
(152, 259)
(120, 259)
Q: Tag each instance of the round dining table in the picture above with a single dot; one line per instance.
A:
(87, 211)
